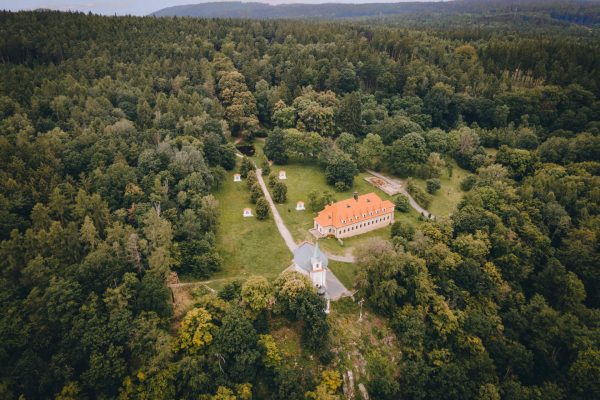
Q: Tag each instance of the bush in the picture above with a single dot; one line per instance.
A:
(280, 192)
(401, 202)
(341, 186)
(468, 183)
(433, 185)
(255, 193)
(251, 179)
(262, 209)
(273, 179)
(420, 196)
(246, 166)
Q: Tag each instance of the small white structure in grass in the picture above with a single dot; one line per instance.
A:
(247, 212)
(237, 178)
(300, 206)
(282, 175)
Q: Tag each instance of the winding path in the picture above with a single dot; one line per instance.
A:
(283, 230)
(400, 185)
(335, 288)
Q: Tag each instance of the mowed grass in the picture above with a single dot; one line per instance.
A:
(301, 180)
(248, 246)
(345, 272)
(447, 198)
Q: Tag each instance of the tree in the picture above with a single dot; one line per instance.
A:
(262, 208)
(280, 192)
(340, 168)
(402, 203)
(236, 346)
(433, 185)
(196, 331)
(407, 154)
(349, 115)
(246, 166)
(313, 201)
(257, 294)
(441, 105)
(520, 163)
(346, 143)
(275, 148)
(395, 128)
(371, 152)
(251, 179)
(585, 374)
(272, 357)
(256, 193)
(240, 104)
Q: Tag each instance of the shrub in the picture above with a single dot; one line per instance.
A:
(402, 203)
(255, 193)
(420, 196)
(251, 179)
(273, 179)
(246, 166)
(433, 185)
(341, 186)
(262, 209)
(280, 192)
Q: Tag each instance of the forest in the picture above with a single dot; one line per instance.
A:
(116, 133)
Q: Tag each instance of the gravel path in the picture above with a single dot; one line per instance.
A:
(283, 230)
(344, 259)
(400, 185)
(335, 288)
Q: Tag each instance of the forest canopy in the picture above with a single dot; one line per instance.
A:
(116, 132)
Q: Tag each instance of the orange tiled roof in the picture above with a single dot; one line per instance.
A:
(351, 211)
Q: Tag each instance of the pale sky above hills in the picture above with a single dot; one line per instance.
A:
(139, 7)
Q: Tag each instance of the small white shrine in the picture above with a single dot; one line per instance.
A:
(282, 175)
(247, 212)
(237, 178)
(300, 206)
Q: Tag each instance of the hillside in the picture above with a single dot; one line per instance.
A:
(571, 11)
(142, 256)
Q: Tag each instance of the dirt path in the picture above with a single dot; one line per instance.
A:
(400, 185)
(345, 259)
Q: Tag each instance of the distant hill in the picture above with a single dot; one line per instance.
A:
(255, 10)
(236, 9)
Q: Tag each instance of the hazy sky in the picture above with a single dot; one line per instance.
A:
(139, 7)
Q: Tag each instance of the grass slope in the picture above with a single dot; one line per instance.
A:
(345, 272)
(447, 198)
(248, 246)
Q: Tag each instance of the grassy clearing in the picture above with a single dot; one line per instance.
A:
(345, 272)
(248, 246)
(447, 198)
(302, 179)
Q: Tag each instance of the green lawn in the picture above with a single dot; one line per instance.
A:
(301, 179)
(447, 198)
(345, 272)
(248, 246)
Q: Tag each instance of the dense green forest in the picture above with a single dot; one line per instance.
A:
(115, 132)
